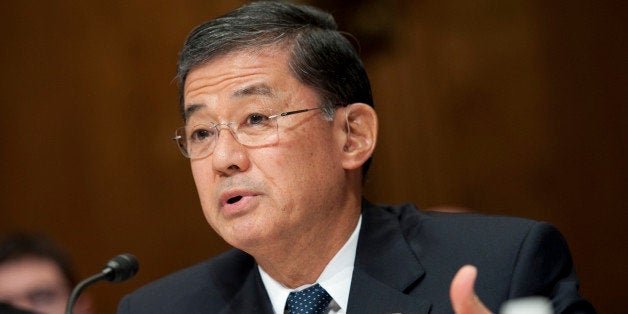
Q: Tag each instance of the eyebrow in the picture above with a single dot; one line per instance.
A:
(251, 90)
(191, 109)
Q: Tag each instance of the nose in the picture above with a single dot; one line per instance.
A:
(229, 156)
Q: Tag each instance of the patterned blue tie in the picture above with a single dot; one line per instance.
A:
(313, 300)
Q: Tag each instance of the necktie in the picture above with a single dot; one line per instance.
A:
(313, 300)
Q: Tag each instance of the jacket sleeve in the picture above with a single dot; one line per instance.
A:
(544, 267)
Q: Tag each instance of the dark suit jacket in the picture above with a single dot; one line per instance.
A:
(405, 262)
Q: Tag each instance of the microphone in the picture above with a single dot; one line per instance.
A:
(119, 268)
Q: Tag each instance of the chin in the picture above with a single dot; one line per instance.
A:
(248, 244)
(244, 236)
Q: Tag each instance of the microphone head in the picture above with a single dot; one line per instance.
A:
(121, 268)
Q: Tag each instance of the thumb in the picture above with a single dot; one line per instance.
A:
(463, 297)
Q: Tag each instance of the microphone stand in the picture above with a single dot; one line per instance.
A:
(79, 288)
(120, 268)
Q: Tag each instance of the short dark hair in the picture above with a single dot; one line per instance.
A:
(321, 57)
(24, 245)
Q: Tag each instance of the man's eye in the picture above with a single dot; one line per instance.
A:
(201, 134)
(256, 119)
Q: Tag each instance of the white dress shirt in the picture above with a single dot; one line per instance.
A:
(335, 278)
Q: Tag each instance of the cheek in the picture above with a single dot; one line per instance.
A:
(199, 174)
(202, 174)
(198, 171)
(306, 162)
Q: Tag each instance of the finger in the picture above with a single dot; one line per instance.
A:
(463, 297)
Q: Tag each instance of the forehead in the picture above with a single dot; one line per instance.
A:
(242, 80)
(249, 72)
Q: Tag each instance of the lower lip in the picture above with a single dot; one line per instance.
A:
(244, 205)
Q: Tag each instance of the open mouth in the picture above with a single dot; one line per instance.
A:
(234, 199)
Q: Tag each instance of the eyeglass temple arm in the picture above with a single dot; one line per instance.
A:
(283, 114)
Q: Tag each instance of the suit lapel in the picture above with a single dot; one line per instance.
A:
(386, 268)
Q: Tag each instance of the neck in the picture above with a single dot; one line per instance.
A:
(298, 256)
(302, 258)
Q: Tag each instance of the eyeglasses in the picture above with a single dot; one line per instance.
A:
(254, 129)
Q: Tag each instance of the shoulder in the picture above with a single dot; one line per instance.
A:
(515, 257)
(414, 222)
(202, 286)
(450, 240)
(208, 272)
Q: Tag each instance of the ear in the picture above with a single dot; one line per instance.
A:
(359, 124)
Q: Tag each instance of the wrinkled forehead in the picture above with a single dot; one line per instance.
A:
(247, 79)
(282, 46)
(281, 51)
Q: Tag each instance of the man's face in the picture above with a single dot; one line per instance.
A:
(257, 197)
(34, 284)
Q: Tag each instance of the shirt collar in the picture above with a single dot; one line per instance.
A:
(335, 278)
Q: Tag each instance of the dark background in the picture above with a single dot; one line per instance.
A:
(504, 107)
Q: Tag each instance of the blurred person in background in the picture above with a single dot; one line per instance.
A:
(36, 275)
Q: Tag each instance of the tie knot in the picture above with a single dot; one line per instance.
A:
(313, 300)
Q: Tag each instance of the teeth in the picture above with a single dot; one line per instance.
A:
(234, 199)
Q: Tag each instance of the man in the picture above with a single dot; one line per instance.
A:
(279, 126)
(36, 275)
